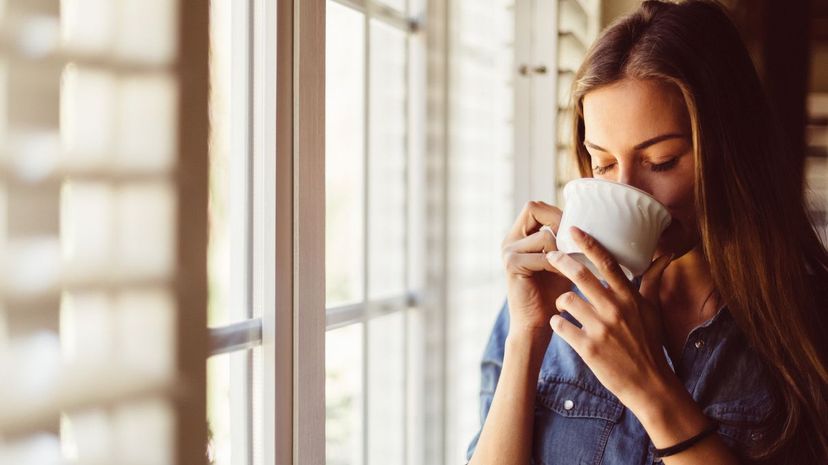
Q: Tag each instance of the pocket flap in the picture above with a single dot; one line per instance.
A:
(572, 398)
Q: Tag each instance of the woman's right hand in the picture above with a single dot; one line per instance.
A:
(533, 283)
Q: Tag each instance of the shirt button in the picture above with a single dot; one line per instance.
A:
(699, 343)
(568, 404)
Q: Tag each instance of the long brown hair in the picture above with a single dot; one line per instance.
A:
(765, 256)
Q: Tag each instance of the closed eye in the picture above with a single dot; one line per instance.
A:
(667, 165)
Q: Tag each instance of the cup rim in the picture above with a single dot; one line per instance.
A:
(607, 181)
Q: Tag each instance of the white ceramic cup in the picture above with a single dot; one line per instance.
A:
(626, 221)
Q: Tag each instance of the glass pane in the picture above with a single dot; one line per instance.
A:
(386, 389)
(258, 406)
(343, 395)
(344, 149)
(417, 386)
(417, 178)
(387, 161)
(228, 408)
(229, 201)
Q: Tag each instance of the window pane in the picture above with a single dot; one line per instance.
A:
(416, 416)
(387, 161)
(343, 395)
(228, 408)
(229, 201)
(386, 391)
(344, 150)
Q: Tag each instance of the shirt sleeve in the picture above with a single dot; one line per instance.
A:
(490, 367)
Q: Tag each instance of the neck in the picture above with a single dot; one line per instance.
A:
(685, 285)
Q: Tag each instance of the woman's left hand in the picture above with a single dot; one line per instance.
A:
(621, 335)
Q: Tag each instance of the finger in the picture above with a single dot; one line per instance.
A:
(651, 281)
(578, 308)
(570, 333)
(533, 216)
(527, 263)
(541, 241)
(579, 274)
(603, 260)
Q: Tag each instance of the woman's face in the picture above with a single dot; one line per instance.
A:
(638, 133)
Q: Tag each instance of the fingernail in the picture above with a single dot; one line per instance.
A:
(575, 231)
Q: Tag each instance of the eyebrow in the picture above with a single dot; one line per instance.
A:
(643, 145)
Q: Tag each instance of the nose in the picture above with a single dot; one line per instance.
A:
(626, 175)
(630, 175)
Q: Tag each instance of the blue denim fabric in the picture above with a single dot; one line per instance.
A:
(579, 422)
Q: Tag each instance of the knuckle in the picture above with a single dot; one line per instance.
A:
(601, 332)
(548, 239)
(582, 273)
(589, 349)
(607, 261)
(613, 315)
(589, 242)
(628, 300)
(565, 300)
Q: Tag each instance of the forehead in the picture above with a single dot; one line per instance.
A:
(627, 112)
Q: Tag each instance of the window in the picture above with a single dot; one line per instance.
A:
(434, 140)
(816, 163)
(374, 195)
(242, 222)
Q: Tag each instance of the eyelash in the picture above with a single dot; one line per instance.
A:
(667, 165)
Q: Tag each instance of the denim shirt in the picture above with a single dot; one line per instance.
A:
(577, 421)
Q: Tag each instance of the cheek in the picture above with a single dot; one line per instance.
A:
(674, 192)
(678, 197)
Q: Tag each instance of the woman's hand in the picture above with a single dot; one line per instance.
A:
(533, 283)
(621, 334)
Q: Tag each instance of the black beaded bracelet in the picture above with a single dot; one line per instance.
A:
(684, 445)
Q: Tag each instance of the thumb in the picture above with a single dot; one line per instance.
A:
(651, 281)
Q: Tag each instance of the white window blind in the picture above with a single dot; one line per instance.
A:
(578, 27)
(102, 231)
(816, 163)
(480, 174)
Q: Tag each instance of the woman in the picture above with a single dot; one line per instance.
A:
(716, 355)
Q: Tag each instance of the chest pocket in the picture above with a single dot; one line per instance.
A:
(573, 421)
(742, 424)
